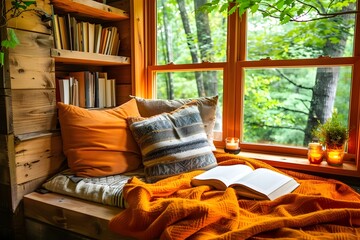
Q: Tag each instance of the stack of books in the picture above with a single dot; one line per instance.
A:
(71, 34)
(87, 89)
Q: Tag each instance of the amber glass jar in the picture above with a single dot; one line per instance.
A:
(315, 153)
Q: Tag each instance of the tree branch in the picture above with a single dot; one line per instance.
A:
(280, 127)
(292, 82)
(293, 110)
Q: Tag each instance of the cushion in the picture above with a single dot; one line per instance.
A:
(99, 142)
(172, 143)
(206, 105)
(105, 190)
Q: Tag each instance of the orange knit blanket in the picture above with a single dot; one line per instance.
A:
(171, 209)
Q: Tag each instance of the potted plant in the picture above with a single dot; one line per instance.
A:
(333, 135)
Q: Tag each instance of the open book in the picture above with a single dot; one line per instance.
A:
(260, 183)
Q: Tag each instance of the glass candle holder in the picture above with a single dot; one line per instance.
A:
(335, 156)
(232, 145)
(315, 153)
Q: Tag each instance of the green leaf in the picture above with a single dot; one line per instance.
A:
(224, 7)
(28, 3)
(232, 10)
(2, 55)
(12, 40)
(254, 8)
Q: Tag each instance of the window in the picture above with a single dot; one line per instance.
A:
(275, 81)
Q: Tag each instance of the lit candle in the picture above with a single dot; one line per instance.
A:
(335, 157)
(315, 153)
(232, 145)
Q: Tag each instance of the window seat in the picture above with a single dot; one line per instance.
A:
(72, 214)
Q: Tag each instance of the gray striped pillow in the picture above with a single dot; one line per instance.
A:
(172, 143)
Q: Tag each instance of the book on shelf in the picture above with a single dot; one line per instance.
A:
(97, 41)
(56, 31)
(116, 47)
(79, 37)
(81, 79)
(101, 91)
(64, 33)
(113, 92)
(64, 90)
(74, 34)
(91, 36)
(104, 39)
(108, 89)
(260, 183)
(112, 40)
(70, 31)
(67, 90)
(85, 36)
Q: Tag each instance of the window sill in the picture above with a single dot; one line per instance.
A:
(348, 168)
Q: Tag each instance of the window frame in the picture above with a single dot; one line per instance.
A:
(233, 72)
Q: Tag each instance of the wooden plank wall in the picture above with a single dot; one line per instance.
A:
(33, 145)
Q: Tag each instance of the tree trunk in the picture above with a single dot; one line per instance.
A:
(167, 53)
(205, 46)
(192, 47)
(324, 91)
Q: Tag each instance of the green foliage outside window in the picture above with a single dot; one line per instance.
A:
(282, 105)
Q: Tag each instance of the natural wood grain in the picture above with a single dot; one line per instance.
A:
(6, 126)
(76, 57)
(32, 44)
(19, 190)
(30, 20)
(84, 217)
(89, 8)
(123, 93)
(6, 149)
(31, 72)
(38, 157)
(139, 78)
(34, 110)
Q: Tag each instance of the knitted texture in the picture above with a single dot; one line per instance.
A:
(172, 209)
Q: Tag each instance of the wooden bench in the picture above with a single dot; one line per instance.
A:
(81, 217)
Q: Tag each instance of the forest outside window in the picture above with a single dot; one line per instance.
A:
(276, 81)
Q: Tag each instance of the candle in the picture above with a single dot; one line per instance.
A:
(232, 145)
(315, 153)
(335, 156)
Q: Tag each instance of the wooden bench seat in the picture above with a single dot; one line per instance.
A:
(79, 216)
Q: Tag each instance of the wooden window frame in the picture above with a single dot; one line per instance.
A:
(233, 72)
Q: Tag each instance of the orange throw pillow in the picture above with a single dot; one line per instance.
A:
(99, 142)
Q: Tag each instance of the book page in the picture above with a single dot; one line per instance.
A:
(226, 174)
(264, 180)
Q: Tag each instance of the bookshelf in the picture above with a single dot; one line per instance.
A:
(82, 52)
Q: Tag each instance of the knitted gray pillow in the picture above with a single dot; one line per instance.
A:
(172, 143)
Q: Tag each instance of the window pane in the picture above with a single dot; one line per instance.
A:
(283, 105)
(188, 36)
(180, 85)
(334, 37)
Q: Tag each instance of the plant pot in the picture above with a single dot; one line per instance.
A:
(335, 155)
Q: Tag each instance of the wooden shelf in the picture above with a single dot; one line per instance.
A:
(76, 57)
(90, 8)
